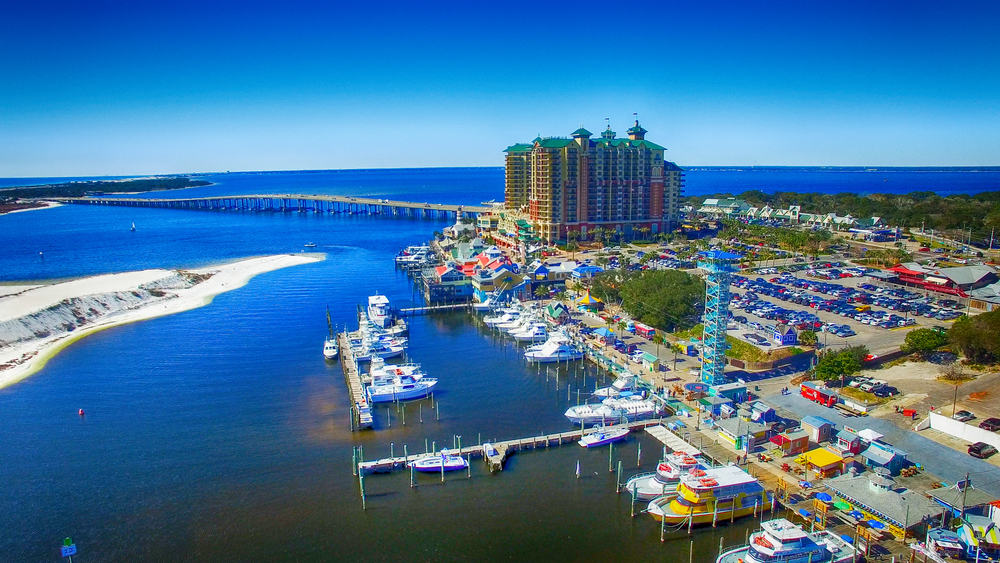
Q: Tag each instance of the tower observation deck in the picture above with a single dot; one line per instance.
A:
(720, 267)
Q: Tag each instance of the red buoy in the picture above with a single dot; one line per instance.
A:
(81, 412)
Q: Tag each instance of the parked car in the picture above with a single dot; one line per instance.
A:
(982, 450)
(992, 424)
(884, 391)
(963, 416)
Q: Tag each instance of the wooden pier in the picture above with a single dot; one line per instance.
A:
(410, 311)
(361, 418)
(385, 465)
(300, 203)
(671, 440)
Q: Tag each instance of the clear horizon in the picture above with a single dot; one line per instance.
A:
(109, 89)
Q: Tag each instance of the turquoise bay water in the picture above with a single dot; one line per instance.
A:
(220, 433)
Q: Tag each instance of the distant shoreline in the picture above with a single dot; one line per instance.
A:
(59, 314)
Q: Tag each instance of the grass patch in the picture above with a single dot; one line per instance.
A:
(696, 330)
(745, 351)
(862, 396)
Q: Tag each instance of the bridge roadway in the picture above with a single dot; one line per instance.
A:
(290, 202)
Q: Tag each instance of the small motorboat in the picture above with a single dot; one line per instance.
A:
(603, 436)
(310, 245)
(434, 462)
(330, 349)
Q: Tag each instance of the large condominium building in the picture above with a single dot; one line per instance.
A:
(579, 184)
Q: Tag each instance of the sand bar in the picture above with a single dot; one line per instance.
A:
(38, 320)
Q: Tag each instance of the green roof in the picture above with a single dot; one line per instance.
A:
(637, 129)
(581, 132)
(554, 142)
(638, 143)
(519, 147)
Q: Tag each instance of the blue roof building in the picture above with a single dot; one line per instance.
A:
(880, 454)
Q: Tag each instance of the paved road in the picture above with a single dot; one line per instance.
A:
(951, 465)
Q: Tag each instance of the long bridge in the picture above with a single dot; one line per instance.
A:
(298, 203)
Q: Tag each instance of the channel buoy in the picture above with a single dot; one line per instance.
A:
(81, 413)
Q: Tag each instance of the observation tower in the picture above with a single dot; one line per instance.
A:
(720, 267)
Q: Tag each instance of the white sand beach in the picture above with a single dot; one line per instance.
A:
(38, 320)
(47, 205)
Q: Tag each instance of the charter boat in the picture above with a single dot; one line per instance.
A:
(368, 350)
(379, 371)
(502, 317)
(622, 384)
(400, 388)
(330, 349)
(558, 348)
(517, 324)
(781, 540)
(434, 462)
(603, 436)
(613, 410)
(536, 332)
(647, 486)
(379, 312)
(413, 254)
(722, 493)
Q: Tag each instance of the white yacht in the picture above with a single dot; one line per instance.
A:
(400, 388)
(781, 540)
(380, 371)
(535, 332)
(647, 486)
(623, 384)
(558, 348)
(503, 316)
(517, 324)
(330, 349)
(379, 312)
(413, 255)
(613, 410)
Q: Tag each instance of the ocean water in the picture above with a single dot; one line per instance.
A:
(221, 434)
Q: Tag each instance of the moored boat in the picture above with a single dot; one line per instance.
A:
(603, 436)
(781, 540)
(623, 384)
(400, 388)
(647, 486)
(613, 410)
(558, 348)
(330, 349)
(435, 462)
(722, 493)
(379, 312)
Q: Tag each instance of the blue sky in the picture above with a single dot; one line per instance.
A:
(93, 88)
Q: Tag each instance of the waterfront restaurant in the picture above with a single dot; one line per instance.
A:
(877, 497)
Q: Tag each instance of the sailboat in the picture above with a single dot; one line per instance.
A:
(133, 226)
(330, 344)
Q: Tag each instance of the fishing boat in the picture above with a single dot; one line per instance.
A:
(648, 486)
(379, 371)
(503, 316)
(330, 343)
(434, 463)
(413, 254)
(558, 348)
(535, 332)
(623, 384)
(613, 410)
(379, 312)
(722, 493)
(400, 388)
(603, 436)
(781, 540)
(310, 245)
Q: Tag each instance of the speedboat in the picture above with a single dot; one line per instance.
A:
(602, 436)
(434, 463)
(647, 486)
(330, 349)
(781, 540)
(558, 348)
(716, 494)
(307, 245)
(623, 384)
(379, 312)
(400, 388)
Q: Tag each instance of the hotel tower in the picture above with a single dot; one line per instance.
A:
(578, 184)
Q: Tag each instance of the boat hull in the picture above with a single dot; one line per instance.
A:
(722, 515)
(434, 464)
(603, 438)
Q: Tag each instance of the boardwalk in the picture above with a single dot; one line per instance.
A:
(409, 311)
(671, 440)
(533, 442)
(360, 418)
(301, 203)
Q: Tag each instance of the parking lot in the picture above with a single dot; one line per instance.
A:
(848, 311)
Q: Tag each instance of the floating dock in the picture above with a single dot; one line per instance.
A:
(360, 417)
(385, 465)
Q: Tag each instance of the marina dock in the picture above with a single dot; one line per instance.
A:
(671, 440)
(359, 418)
(388, 464)
(410, 311)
